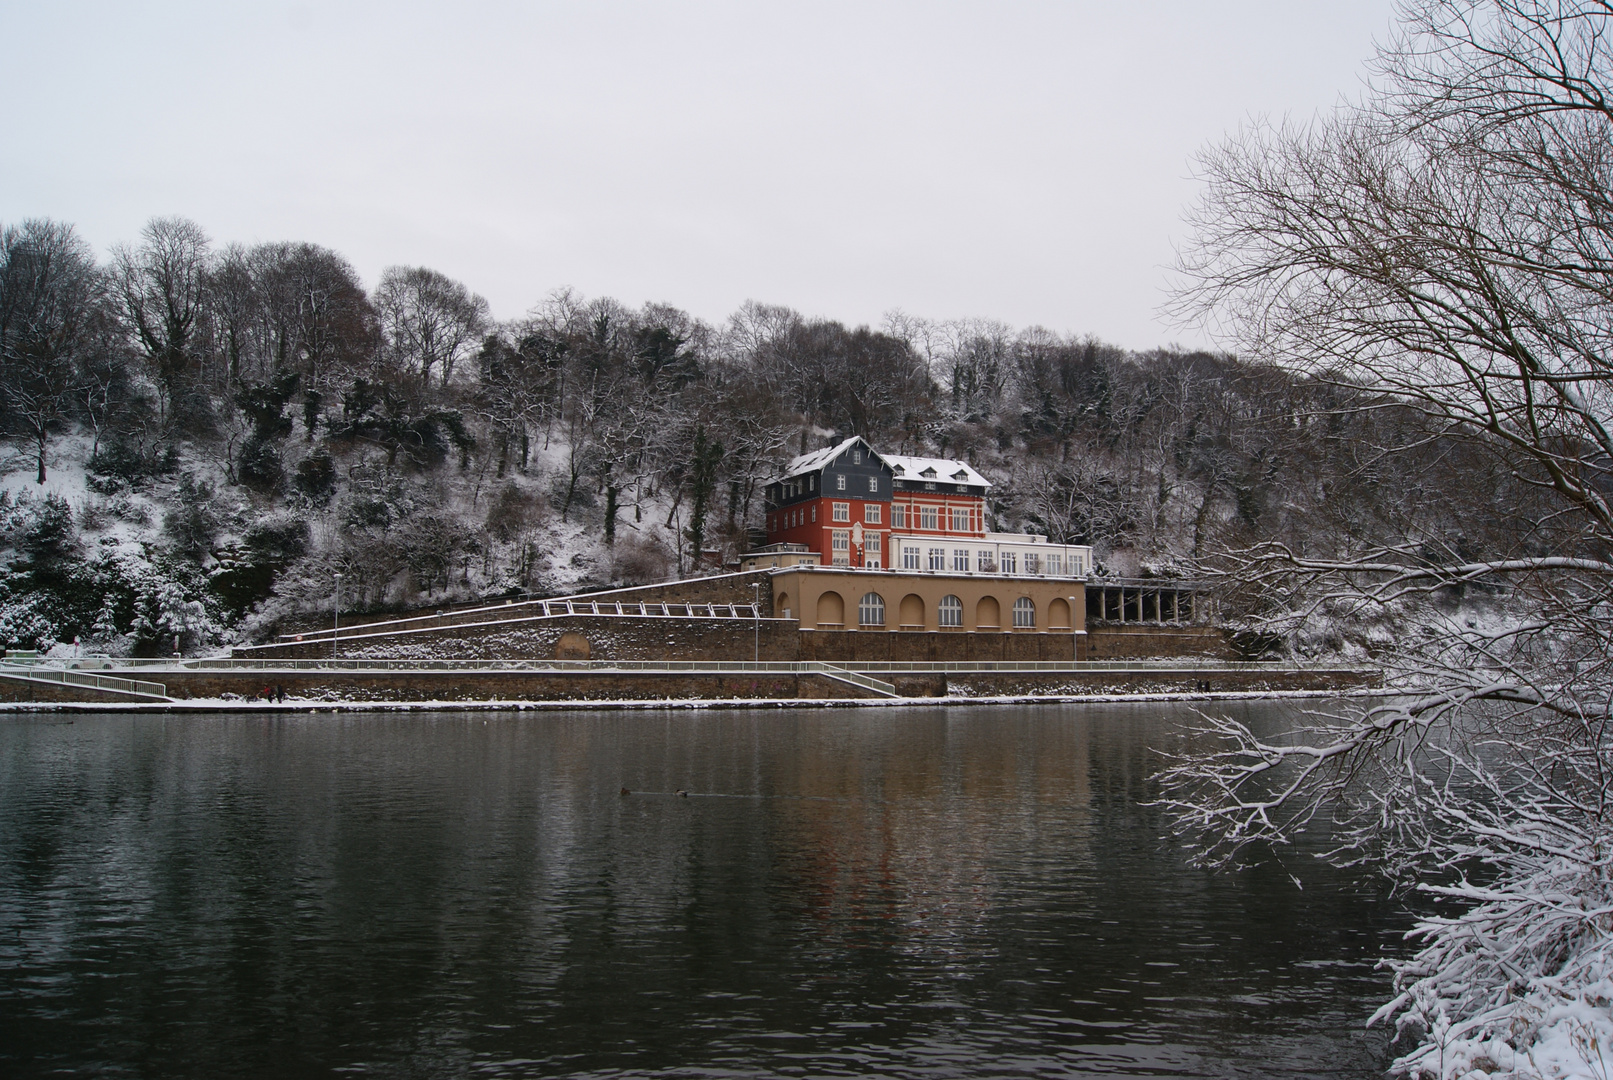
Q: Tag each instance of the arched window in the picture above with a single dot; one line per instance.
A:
(951, 611)
(1024, 613)
(871, 612)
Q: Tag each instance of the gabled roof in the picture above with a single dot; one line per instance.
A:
(818, 460)
(941, 469)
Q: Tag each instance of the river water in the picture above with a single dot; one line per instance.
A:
(948, 892)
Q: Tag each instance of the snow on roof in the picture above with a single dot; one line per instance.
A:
(906, 468)
(816, 460)
(943, 469)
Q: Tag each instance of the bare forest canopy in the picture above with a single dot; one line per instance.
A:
(250, 421)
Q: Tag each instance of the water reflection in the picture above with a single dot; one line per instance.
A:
(948, 892)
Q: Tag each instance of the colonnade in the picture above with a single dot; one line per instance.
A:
(1142, 602)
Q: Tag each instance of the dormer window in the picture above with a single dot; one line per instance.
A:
(960, 475)
(928, 474)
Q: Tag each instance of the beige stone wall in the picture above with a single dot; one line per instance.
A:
(828, 599)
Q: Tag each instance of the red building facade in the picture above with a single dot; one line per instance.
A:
(850, 504)
(846, 505)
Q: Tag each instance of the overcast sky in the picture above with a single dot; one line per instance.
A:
(1023, 162)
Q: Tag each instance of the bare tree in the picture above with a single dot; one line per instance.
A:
(161, 286)
(430, 320)
(313, 316)
(1445, 251)
(50, 307)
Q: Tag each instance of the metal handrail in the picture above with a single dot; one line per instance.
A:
(535, 610)
(81, 678)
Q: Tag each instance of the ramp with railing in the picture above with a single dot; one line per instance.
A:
(111, 686)
(524, 613)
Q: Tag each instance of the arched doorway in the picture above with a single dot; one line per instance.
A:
(1058, 614)
(912, 612)
(988, 614)
(781, 606)
(831, 611)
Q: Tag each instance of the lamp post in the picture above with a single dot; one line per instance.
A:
(1075, 634)
(336, 614)
(756, 621)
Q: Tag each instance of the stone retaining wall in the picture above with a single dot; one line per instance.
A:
(1155, 682)
(607, 637)
(497, 685)
(720, 589)
(839, 646)
(605, 686)
(14, 689)
(1112, 642)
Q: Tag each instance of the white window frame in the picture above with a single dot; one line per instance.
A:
(873, 484)
(872, 514)
(840, 546)
(871, 542)
(960, 520)
(842, 511)
(840, 483)
(938, 559)
(910, 558)
(898, 516)
(929, 516)
(1024, 613)
(960, 560)
(1033, 563)
(949, 614)
(1008, 563)
(871, 604)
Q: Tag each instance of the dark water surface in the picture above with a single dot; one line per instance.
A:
(917, 893)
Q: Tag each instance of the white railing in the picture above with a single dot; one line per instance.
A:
(38, 673)
(879, 686)
(530, 609)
